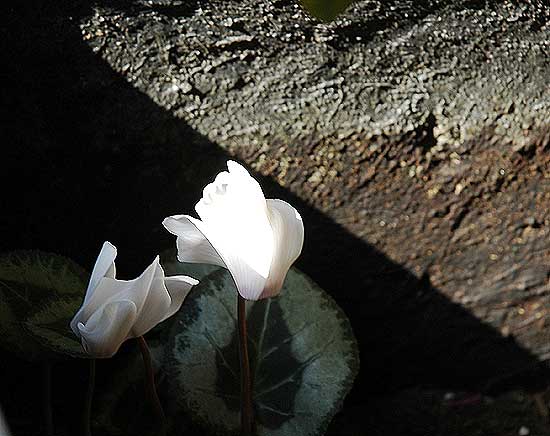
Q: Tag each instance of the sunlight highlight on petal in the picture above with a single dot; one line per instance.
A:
(255, 239)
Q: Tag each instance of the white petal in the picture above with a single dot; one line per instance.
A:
(109, 290)
(244, 260)
(107, 328)
(104, 267)
(193, 247)
(106, 291)
(138, 289)
(288, 234)
(237, 169)
(234, 219)
(178, 288)
(229, 192)
(97, 295)
(157, 301)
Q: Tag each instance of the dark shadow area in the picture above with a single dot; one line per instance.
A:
(86, 158)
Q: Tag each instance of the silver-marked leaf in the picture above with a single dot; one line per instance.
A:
(303, 354)
(173, 267)
(39, 294)
(326, 10)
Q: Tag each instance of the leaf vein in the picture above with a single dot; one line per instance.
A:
(219, 352)
(300, 367)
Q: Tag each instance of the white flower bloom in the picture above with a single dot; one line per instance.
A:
(256, 239)
(116, 310)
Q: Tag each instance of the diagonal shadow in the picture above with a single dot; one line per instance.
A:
(87, 157)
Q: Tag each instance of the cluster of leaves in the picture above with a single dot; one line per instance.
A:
(304, 356)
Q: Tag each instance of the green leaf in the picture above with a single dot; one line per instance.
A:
(304, 357)
(39, 294)
(172, 267)
(326, 10)
(50, 326)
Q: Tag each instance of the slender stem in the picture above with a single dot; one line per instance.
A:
(247, 417)
(87, 415)
(150, 383)
(47, 397)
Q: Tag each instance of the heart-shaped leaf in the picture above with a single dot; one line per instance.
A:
(326, 10)
(39, 294)
(304, 357)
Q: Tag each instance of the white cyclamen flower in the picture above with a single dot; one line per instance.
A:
(256, 239)
(116, 310)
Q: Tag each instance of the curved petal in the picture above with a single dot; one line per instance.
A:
(138, 289)
(157, 300)
(105, 331)
(97, 295)
(235, 222)
(106, 291)
(288, 234)
(178, 288)
(109, 290)
(232, 193)
(193, 247)
(237, 169)
(104, 267)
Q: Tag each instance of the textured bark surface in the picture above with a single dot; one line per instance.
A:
(253, 72)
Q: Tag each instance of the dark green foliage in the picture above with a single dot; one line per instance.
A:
(39, 294)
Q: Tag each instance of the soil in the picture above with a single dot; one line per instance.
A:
(414, 138)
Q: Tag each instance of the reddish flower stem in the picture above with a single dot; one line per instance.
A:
(247, 417)
(150, 386)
